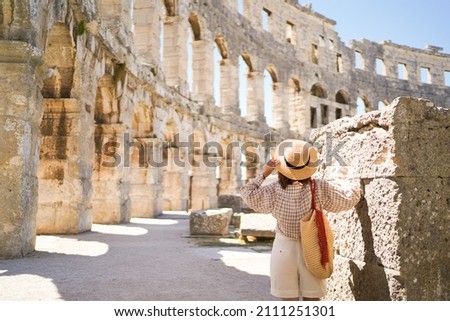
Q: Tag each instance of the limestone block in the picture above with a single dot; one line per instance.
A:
(232, 201)
(356, 280)
(210, 222)
(399, 232)
(259, 225)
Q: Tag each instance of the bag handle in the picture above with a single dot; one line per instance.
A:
(322, 236)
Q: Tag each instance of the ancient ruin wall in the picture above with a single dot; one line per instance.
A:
(394, 245)
(82, 75)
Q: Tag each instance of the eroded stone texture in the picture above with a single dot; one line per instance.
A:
(394, 245)
(210, 222)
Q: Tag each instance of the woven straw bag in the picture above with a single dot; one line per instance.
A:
(317, 240)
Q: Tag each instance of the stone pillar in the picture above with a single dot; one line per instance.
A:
(175, 52)
(229, 87)
(230, 176)
(394, 244)
(64, 170)
(146, 188)
(175, 180)
(203, 69)
(203, 190)
(20, 116)
(111, 176)
(147, 29)
(298, 112)
(280, 107)
(255, 96)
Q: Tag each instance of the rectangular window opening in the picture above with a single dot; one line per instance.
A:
(313, 117)
(339, 63)
(265, 19)
(381, 67)
(324, 114)
(331, 45)
(240, 6)
(402, 71)
(425, 75)
(314, 54)
(290, 32)
(359, 61)
(338, 113)
(447, 78)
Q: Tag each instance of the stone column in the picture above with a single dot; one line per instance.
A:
(394, 244)
(298, 112)
(255, 96)
(64, 170)
(280, 107)
(147, 30)
(203, 190)
(175, 180)
(203, 69)
(175, 52)
(229, 87)
(111, 176)
(146, 188)
(20, 116)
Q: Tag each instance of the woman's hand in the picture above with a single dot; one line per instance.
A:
(270, 166)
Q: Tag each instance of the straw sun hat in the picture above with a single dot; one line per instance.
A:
(298, 159)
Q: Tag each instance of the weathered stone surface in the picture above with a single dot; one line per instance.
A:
(232, 201)
(399, 232)
(258, 225)
(210, 222)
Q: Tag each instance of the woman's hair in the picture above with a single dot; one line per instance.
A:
(285, 181)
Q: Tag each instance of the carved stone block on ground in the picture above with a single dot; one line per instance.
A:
(210, 222)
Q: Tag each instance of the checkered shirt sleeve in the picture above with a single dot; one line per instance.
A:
(289, 205)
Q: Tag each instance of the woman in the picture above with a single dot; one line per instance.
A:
(289, 199)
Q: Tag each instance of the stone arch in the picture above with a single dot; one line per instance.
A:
(248, 61)
(59, 56)
(318, 91)
(107, 109)
(196, 26)
(342, 97)
(171, 7)
(175, 176)
(273, 72)
(142, 122)
(362, 105)
(383, 103)
(222, 45)
(294, 85)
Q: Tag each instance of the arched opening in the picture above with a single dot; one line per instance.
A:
(362, 105)
(170, 6)
(268, 97)
(382, 103)
(342, 97)
(175, 171)
(195, 25)
(145, 198)
(244, 70)
(318, 91)
(60, 58)
(217, 75)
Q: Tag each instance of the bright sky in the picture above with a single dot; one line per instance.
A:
(414, 23)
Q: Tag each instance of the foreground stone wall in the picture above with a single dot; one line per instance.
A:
(395, 244)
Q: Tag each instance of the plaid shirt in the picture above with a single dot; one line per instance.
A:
(289, 205)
